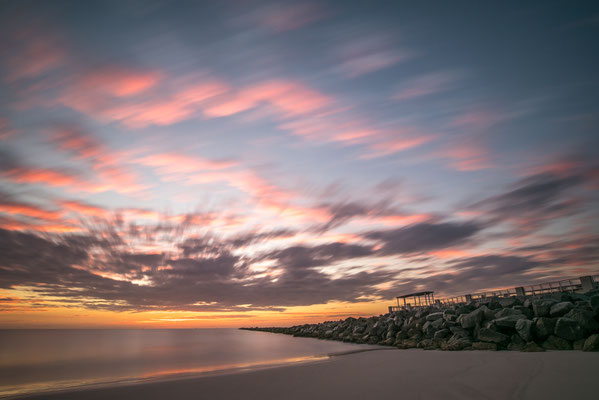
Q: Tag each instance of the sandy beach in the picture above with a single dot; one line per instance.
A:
(397, 374)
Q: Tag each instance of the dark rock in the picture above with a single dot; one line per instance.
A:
(578, 344)
(484, 346)
(457, 343)
(524, 327)
(449, 324)
(544, 327)
(560, 309)
(592, 343)
(462, 310)
(568, 329)
(525, 310)
(508, 302)
(428, 329)
(594, 302)
(531, 347)
(487, 335)
(515, 338)
(470, 320)
(413, 332)
(459, 332)
(434, 316)
(508, 322)
(441, 334)
(515, 346)
(506, 312)
(585, 318)
(542, 307)
(556, 343)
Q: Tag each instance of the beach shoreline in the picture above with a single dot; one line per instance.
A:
(389, 372)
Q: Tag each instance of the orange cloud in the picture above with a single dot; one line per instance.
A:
(41, 175)
(30, 211)
(119, 82)
(12, 224)
(162, 109)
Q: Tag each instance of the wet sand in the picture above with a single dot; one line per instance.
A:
(385, 374)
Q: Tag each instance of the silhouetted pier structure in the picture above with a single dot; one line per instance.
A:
(427, 298)
(419, 299)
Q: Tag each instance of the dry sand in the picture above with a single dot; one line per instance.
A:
(386, 374)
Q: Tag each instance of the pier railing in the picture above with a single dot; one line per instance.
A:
(572, 285)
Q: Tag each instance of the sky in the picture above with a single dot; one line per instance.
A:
(222, 164)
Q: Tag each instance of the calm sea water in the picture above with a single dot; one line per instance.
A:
(40, 360)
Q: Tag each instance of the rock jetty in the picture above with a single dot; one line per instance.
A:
(557, 321)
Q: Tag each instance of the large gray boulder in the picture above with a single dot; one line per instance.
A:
(585, 318)
(556, 343)
(525, 310)
(592, 343)
(544, 327)
(509, 321)
(542, 307)
(487, 335)
(568, 329)
(524, 327)
(428, 329)
(456, 343)
(470, 320)
(438, 324)
(459, 332)
(506, 312)
(508, 302)
(434, 316)
(560, 309)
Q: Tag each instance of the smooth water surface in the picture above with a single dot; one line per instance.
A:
(39, 360)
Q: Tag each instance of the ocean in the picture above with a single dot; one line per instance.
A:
(42, 360)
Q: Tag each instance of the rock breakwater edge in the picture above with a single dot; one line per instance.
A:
(557, 321)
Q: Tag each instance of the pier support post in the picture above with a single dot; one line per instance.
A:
(468, 298)
(587, 283)
(520, 291)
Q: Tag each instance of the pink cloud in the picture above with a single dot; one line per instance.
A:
(29, 211)
(395, 145)
(83, 208)
(424, 86)
(121, 105)
(368, 54)
(118, 81)
(45, 176)
(110, 174)
(291, 98)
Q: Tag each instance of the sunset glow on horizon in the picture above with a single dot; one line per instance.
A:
(254, 163)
